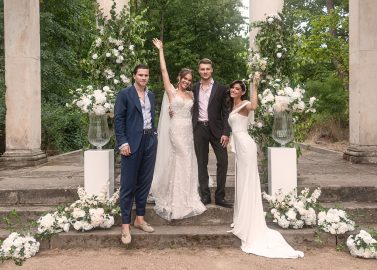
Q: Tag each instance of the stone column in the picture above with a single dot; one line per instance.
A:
(23, 84)
(259, 10)
(362, 90)
(105, 5)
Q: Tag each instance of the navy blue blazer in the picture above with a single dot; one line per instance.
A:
(128, 117)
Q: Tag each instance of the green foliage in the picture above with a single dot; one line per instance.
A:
(332, 99)
(67, 32)
(322, 35)
(12, 222)
(275, 37)
(63, 129)
(192, 30)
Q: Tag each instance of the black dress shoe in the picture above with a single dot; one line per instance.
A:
(224, 203)
(206, 200)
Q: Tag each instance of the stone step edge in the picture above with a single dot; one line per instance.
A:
(55, 196)
(47, 208)
(172, 237)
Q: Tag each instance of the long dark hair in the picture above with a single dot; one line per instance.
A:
(244, 88)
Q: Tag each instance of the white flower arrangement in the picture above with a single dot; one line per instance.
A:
(272, 17)
(18, 247)
(117, 48)
(256, 63)
(292, 210)
(97, 101)
(280, 96)
(362, 245)
(52, 223)
(93, 211)
(335, 221)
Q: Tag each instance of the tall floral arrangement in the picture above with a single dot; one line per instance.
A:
(117, 48)
(273, 58)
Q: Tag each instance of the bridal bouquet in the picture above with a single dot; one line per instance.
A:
(93, 211)
(52, 223)
(91, 100)
(335, 221)
(18, 247)
(292, 210)
(362, 245)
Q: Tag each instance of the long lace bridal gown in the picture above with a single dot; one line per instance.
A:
(249, 221)
(175, 180)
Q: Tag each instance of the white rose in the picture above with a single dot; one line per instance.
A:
(288, 91)
(95, 56)
(115, 52)
(66, 227)
(270, 20)
(108, 54)
(120, 48)
(119, 59)
(98, 42)
(279, 55)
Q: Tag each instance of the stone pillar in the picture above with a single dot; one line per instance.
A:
(105, 5)
(23, 84)
(362, 90)
(259, 10)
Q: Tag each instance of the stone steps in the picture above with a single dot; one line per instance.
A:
(361, 212)
(56, 196)
(169, 237)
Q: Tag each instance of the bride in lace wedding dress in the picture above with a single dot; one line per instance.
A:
(248, 220)
(175, 180)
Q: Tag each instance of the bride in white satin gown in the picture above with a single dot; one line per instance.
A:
(248, 220)
(175, 180)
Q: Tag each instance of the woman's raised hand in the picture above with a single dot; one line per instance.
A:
(157, 43)
(256, 78)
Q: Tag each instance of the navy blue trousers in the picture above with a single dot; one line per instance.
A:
(136, 177)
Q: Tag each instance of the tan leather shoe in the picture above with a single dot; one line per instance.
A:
(126, 237)
(144, 227)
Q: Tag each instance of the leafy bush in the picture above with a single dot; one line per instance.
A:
(332, 98)
(63, 129)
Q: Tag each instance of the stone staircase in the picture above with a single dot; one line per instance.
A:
(31, 200)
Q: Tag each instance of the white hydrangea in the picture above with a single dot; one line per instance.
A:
(362, 245)
(335, 221)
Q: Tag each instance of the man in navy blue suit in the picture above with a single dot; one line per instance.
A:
(137, 142)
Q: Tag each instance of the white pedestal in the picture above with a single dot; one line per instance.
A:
(282, 169)
(99, 171)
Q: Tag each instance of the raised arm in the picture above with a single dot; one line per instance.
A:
(164, 70)
(254, 93)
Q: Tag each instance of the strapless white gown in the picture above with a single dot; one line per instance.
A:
(248, 220)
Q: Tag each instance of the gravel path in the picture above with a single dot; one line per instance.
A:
(185, 259)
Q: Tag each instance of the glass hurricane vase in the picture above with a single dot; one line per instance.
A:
(98, 133)
(282, 129)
